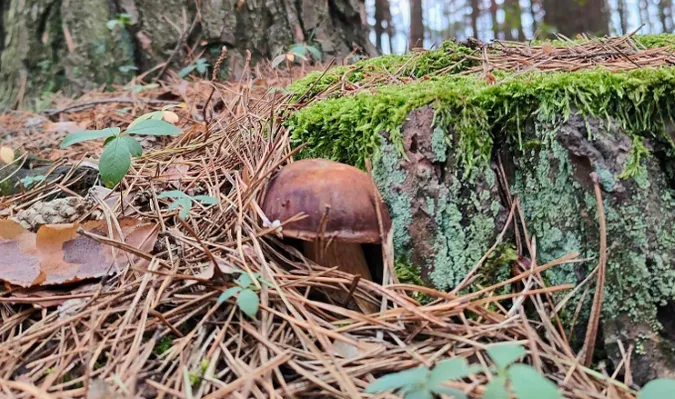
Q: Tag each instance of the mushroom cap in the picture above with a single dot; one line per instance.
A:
(309, 185)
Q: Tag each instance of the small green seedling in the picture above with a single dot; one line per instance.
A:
(184, 201)
(140, 88)
(127, 68)
(119, 147)
(523, 380)
(122, 20)
(422, 383)
(28, 181)
(658, 389)
(200, 65)
(246, 291)
(298, 52)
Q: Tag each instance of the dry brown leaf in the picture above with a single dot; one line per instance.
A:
(6, 154)
(547, 48)
(171, 117)
(67, 127)
(57, 254)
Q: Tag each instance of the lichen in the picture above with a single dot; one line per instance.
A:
(471, 117)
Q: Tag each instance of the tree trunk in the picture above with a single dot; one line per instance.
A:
(493, 14)
(66, 44)
(535, 19)
(623, 18)
(475, 14)
(665, 7)
(416, 24)
(513, 21)
(382, 23)
(571, 17)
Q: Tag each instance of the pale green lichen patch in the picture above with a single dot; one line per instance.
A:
(560, 211)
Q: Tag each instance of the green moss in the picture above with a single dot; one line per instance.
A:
(163, 344)
(347, 128)
(451, 58)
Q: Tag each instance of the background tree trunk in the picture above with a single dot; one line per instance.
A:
(513, 21)
(416, 24)
(493, 14)
(52, 44)
(475, 14)
(571, 17)
(623, 18)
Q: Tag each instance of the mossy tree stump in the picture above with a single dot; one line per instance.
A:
(437, 144)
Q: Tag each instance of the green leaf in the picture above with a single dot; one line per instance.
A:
(157, 115)
(201, 67)
(398, 380)
(496, 389)
(154, 128)
(452, 392)
(186, 71)
(112, 24)
(134, 146)
(298, 49)
(127, 68)
(503, 354)
(451, 369)
(419, 394)
(79, 137)
(115, 162)
(244, 280)
(173, 194)
(229, 293)
(184, 204)
(205, 199)
(527, 383)
(170, 106)
(248, 302)
(316, 53)
(278, 60)
(657, 389)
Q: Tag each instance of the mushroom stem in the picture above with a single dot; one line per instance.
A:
(348, 257)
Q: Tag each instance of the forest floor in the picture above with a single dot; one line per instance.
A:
(88, 323)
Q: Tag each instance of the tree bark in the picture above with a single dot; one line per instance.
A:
(493, 14)
(623, 19)
(416, 24)
(382, 24)
(571, 17)
(475, 14)
(513, 21)
(66, 44)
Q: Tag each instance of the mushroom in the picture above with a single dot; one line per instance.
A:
(340, 203)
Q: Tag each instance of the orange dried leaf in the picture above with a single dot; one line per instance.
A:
(171, 117)
(6, 155)
(57, 254)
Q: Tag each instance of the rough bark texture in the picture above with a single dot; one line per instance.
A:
(445, 220)
(53, 44)
(416, 24)
(572, 17)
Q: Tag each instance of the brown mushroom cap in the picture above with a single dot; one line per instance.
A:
(310, 185)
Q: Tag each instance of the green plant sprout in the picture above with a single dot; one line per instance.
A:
(524, 381)
(184, 201)
(140, 88)
(119, 147)
(246, 291)
(200, 65)
(28, 181)
(657, 389)
(122, 20)
(298, 51)
(422, 383)
(127, 68)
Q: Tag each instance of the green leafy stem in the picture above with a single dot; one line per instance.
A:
(119, 147)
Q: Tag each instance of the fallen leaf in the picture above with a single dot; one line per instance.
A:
(6, 154)
(547, 48)
(349, 351)
(66, 127)
(57, 254)
(170, 117)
